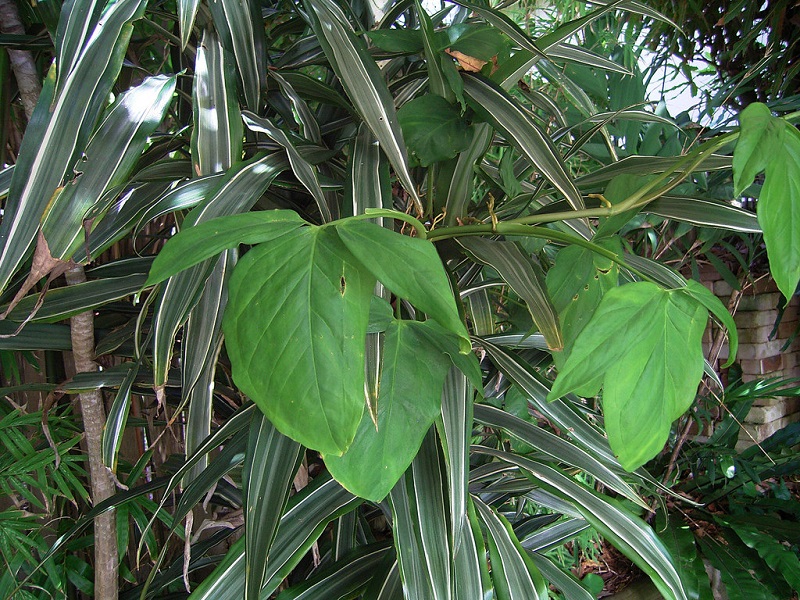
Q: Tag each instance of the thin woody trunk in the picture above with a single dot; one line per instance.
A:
(22, 63)
(94, 418)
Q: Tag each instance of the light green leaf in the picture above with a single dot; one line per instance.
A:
(433, 128)
(193, 245)
(576, 284)
(396, 40)
(481, 41)
(187, 10)
(409, 267)
(300, 304)
(410, 399)
(779, 212)
(760, 141)
(526, 279)
(643, 345)
(704, 296)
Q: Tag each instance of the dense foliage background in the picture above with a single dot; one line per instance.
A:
(335, 300)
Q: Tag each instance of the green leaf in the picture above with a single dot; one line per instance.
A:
(60, 127)
(410, 399)
(409, 267)
(760, 142)
(397, 40)
(217, 133)
(514, 575)
(704, 296)
(506, 114)
(269, 468)
(643, 345)
(525, 277)
(433, 128)
(193, 245)
(364, 84)
(346, 578)
(106, 162)
(481, 41)
(705, 213)
(301, 305)
(781, 559)
(576, 284)
(627, 532)
(679, 540)
(240, 26)
(779, 212)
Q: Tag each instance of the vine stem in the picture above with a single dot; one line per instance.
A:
(106, 556)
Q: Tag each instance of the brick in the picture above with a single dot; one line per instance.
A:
(709, 273)
(763, 430)
(792, 312)
(787, 329)
(763, 285)
(762, 366)
(753, 335)
(772, 412)
(722, 288)
(767, 301)
(760, 350)
(749, 318)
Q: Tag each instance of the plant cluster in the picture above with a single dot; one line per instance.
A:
(377, 318)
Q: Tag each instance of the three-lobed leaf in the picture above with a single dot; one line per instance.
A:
(772, 145)
(643, 346)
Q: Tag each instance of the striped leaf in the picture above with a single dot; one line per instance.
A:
(505, 113)
(364, 84)
(525, 277)
(106, 162)
(217, 134)
(240, 26)
(343, 579)
(305, 519)
(60, 129)
(629, 534)
(514, 574)
(270, 465)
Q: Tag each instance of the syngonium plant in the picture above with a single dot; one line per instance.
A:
(392, 185)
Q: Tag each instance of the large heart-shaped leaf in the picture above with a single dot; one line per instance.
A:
(409, 401)
(769, 144)
(643, 345)
(409, 267)
(433, 128)
(295, 325)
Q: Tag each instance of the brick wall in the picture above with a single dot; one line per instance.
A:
(760, 356)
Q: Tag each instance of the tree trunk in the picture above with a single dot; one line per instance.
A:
(22, 63)
(106, 556)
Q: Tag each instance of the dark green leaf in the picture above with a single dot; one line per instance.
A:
(433, 128)
(410, 399)
(301, 305)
